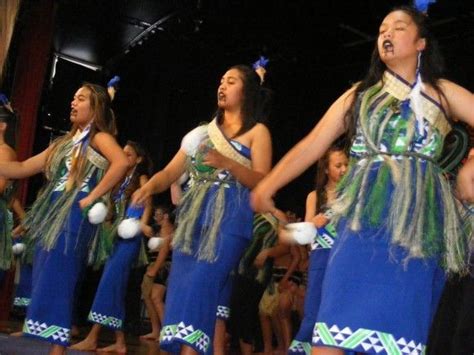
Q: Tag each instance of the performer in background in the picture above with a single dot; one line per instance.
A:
(108, 308)
(331, 168)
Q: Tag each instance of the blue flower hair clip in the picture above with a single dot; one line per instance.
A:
(112, 86)
(4, 99)
(5, 102)
(114, 82)
(261, 62)
(259, 67)
(422, 5)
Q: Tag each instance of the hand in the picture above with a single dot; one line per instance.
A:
(285, 285)
(465, 182)
(261, 199)
(86, 202)
(320, 220)
(261, 258)
(150, 272)
(140, 195)
(147, 231)
(18, 231)
(216, 160)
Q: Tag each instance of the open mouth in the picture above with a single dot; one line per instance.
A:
(387, 46)
(221, 96)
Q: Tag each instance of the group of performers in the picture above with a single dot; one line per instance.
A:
(387, 227)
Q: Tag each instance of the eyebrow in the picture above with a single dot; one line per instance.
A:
(397, 22)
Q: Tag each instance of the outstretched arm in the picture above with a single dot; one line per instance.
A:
(24, 169)
(162, 179)
(303, 154)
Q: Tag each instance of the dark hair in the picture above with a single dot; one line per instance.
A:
(101, 105)
(167, 209)
(104, 121)
(256, 100)
(10, 118)
(143, 168)
(431, 66)
(146, 165)
(321, 179)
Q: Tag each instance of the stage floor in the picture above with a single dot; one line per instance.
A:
(10, 345)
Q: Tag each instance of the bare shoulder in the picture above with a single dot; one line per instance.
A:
(311, 197)
(7, 153)
(259, 131)
(260, 128)
(103, 137)
(103, 140)
(457, 101)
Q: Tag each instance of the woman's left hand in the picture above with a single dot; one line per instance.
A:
(217, 160)
(465, 182)
(85, 202)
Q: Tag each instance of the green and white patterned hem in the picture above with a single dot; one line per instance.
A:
(194, 337)
(21, 301)
(299, 347)
(223, 312)
(365, 340)
(52, 333)
(108, 321)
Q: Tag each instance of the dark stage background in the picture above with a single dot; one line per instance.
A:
(171, 55)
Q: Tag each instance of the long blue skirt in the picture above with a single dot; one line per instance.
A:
(194, 291)
(108, 308)
(223, 307)
(374, 301)
(55, 276)
(23, 290)
(301, 344)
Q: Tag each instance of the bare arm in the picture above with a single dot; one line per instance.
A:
(162, 179)
(176, 193)
(310, 206)
(460, 102)
(160, 260)
(7, 154)
(18, 209)
(261, 153)
(148, 204)
(24, 169)
(303, 154)
(295, 259)
(465, 181)
(108, 147)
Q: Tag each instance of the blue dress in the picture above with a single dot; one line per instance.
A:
(196, 286)
(108, 308)
(399, 229)
(23, 290)
(318, 258)
(56, 269)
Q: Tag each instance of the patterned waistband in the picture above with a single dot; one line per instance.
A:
(400, 156)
